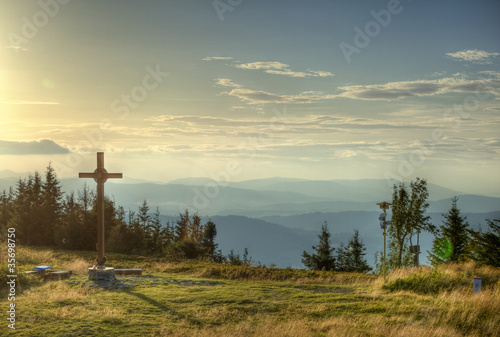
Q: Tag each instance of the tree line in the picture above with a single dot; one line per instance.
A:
(454, 240)
(45, 216)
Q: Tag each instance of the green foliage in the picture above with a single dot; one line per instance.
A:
(351, 258)
(235, 259)
(193, 240)
(486, 246)
(43, 216)
(408, 219)
(452, 245)
(322, 258)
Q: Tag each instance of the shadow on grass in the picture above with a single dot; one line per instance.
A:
(164, 308)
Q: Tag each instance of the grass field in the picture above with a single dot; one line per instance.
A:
(203, 299)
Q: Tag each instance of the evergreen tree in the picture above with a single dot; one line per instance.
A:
(235, 259)
(486, 246)
(182, 227)
(6, 209)
(322, 257)
(88, 226)
(27, 209)
(52, 206)
(156, 244)
(196, 229)
(342, 258)
(70, 230)
(208, 240)
(144, 216)
(452, 243)
(138, 235)
(120, 238)
(351, 258)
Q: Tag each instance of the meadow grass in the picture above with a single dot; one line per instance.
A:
(197, 298)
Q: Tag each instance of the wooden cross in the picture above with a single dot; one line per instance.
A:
(100, 175)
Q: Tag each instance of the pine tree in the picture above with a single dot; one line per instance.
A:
(86, 199)
(351, 258)
(486, 246)
(196, 229)
(208, 240)
(322, 258)
(27, 209)
(144, 217)
(452, 243)
(156, 244)
(6, 208)
(342, 258)
(52, 206)
(182, 227)
(70, 230)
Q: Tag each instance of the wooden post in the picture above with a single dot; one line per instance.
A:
(100, 176)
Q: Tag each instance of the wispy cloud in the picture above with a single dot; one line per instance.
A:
(44, 146)
(263, 65)
(397, 90)
(215, 58)
(278, 68)
(226, 82)
(17, 48)
(260, 97)
(13, 101)
(474, 56)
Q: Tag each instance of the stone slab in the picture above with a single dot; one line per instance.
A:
(131, 271)
(58, 275)
(106, 274)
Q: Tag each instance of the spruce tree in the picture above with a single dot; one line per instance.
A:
(322, 257)
(351, 258)
(452, 243)
(6, 209)
(208, 240)
(52, 206)
(486, 246)
(182, 227)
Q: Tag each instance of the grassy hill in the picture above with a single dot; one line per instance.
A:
(203, 299)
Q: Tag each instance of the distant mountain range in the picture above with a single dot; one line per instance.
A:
(278, 218)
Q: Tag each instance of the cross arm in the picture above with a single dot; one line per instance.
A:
(87, 175)
(113, 175)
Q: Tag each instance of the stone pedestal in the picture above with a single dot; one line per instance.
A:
(106, 274)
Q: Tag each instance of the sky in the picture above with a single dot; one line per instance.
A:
(249, 89)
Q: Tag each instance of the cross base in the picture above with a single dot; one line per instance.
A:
(105, 274)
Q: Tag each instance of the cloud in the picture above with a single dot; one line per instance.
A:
(17, 48)
(215, 58)
(396, 90)
(474, 56)
(278, 68)
(261, 97)
(13, 101)
(44, 146)
(263, 65)
(226, 82)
